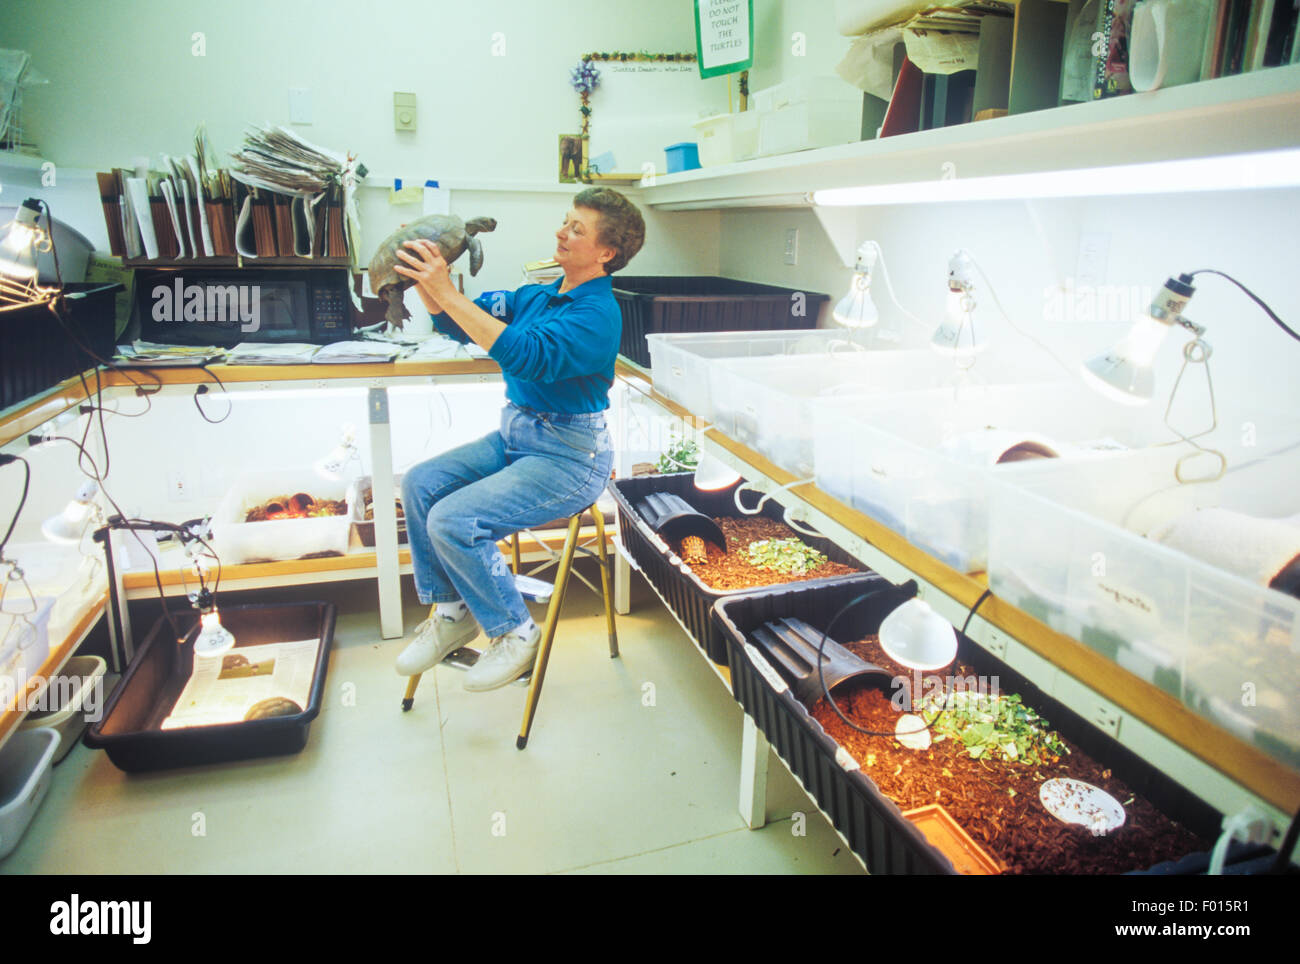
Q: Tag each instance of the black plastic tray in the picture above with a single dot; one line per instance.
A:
(129, 731)
(873, 825)
(689, 598)
(700, 303)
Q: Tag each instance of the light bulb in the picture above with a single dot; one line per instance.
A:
(711, 473)
(331, 466)
(960, 333)
(70, 524)
(213, 639)
(21, 242)
(1123, 373)
(917, 637)
(856, 309)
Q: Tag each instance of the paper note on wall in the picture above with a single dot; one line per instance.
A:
(437, 200)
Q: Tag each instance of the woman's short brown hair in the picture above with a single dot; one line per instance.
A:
(621, 225)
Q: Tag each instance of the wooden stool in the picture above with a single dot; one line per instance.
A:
(532, 589)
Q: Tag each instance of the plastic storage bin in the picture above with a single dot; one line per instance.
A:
(25, 631)
(25, 763)
(689, 598)
(237, 541)
(767, 402)
(681, 365)
(131, 730)
(1065, 546)
(920, 463)
(62, 572)
(682, 157)
(873, 824)
(807, 112)
(727, 138)
(38, 354)
(74, 698)
(365, 528)
(701, 303)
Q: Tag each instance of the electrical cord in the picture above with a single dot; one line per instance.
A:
(6, 459)
(1253, 297)
(1283, 858)
(203, 390)
(821, 675)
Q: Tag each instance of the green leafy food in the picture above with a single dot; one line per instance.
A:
(682, 455)
(785, 555)
(995, 727)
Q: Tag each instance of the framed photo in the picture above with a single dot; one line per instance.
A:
(573, 158)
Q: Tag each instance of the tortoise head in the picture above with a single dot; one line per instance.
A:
(477, 225)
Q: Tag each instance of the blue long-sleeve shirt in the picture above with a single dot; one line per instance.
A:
(557, 351)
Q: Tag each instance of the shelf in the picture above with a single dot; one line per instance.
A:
(1247, 112)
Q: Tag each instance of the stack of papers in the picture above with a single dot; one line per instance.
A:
(278, 159)
(438, 347)
(147, 353)
(347, 352)
(294, 353)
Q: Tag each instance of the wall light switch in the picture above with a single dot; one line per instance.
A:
(791, 248)
(299, 105)
(403, 111)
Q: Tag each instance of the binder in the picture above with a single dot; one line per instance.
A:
(283, 225)
(110, 197)
(168, 243)
(337, 244)
(264, 223)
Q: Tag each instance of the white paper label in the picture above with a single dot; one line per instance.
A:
(765, 670)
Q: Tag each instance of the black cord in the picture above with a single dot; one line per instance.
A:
(203, 390)
(1253, 297)
(821, 675)
(21, 501)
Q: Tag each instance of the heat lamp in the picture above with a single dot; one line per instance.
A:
(22, 241)
(712, 474)
(962, 331)
(331, 466)
(80, 514)
(856, 309)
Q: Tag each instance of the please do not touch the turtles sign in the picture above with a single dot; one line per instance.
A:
(724, 36)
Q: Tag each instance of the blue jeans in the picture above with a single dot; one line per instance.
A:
(539, 466)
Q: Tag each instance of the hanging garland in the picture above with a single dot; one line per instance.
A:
(585, 78)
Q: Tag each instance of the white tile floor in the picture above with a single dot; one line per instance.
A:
(607, 783)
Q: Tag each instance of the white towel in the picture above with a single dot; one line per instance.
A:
(1254, 548)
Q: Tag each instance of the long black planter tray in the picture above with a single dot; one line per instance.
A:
(871, 823)
(684, 592)
(130, 731)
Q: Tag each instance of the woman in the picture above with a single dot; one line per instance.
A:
(551, 457)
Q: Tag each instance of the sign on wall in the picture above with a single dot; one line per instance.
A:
(724, 36)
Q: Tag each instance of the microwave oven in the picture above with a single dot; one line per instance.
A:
(225, 306)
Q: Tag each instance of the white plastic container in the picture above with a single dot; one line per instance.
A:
(74, 698)
(1066, 546)
(767, 402)
(73, 579)
(237, 541)
(919, 462)
(26, 626)
(25, 763)
(680, 362)
(807, 112)
(727, 138)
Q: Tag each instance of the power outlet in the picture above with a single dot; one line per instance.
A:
(1107, 718)
(996, 644)
(791, 246)
(1090, 269)
(180, 487)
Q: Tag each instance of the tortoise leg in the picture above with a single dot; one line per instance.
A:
(396, 310)
(475, 254)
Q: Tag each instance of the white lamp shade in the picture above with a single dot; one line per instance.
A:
(70, 524)
(711, 473)
(1119, 378)
(959, 334)
(917, 637)
(856, 309)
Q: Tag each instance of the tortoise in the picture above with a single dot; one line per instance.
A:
(452, 236)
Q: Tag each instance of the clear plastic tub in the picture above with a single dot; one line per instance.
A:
(807, 112)
(680, 362)
(766, 402)
(72, 700)
(25, 763)
(25, 626)
(920, 462)
(1066, 546)
(72, 578)
(237, 541)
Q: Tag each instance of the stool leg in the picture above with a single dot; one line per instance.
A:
(514, 553)
(605, 582)
(409, 698)
(548, 631)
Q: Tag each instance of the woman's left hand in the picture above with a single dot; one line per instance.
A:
(425, 265)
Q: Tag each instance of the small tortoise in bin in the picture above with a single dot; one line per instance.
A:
(452, 236)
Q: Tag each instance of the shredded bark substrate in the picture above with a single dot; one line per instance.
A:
(1014, 828)
(732, 569)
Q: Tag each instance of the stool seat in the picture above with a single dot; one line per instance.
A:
(535, 589)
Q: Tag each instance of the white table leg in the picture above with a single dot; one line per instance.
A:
(753, 775)
(389, 577)
(622, 585)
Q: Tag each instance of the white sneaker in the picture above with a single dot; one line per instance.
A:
(435, 639)
(507, 659)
